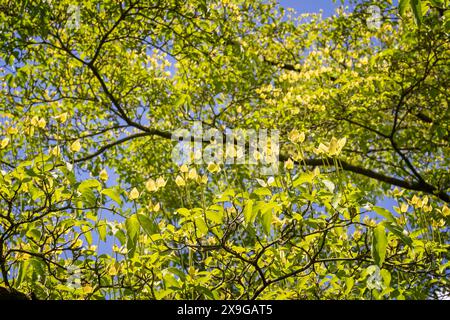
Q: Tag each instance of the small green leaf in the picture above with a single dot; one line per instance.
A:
(402, 6)
(349, 283)
(385, 213)
(416, 7)
(183, 211)
(263, 192)
(249, 218)
(177, 272)
(89, 184)
(205, 291)
(113, 194)
(386, 275)
(146, 224)
(23, 268)
(397, 231)
(379, 242)
(201, 226)
(307, 177)
(89, 198)
(267, 221)
(85, 188)
(87, 234)
(120, 235)
(215, 216)
(132, 226)
(102, 231)
(330, 185)
(34, 234)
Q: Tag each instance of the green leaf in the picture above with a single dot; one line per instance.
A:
(201, 226)
(263, 192)
(114, 194)
(379, 242)
(398, 232)
(349, 283)
(402, 6)
(85, 188)
(87, 234)
(177, 272)
(205, 291)
(169, 280)
(215, 216)
(120, 235)
(249, 217)
(267, 221)
(23, 268)
(183, 211)
(132, 226)
(386, 275)
(416, 7)
(330, 185)
(385, 213)
(146, 224)
(102, 231)
(34, 234)
(307, 177)
(89, 184)
(89, 198)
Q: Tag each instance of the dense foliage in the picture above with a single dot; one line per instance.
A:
(92, 205)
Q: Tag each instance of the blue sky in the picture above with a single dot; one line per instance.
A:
(304, 6)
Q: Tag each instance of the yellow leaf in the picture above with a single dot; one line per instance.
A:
(204, 179)
(446, 211)
(34, 121)
(62, 117)
(414, 200)
(316, 171)
(12, 131)
(75, 146)
(42, 123)
(322, 149)
(289, 164)
(333, 148)
(301, 137)
(4, 143)
(103, 175)
(293, 135)
(160, 182)
(296, 136)
(56, 151)
(87, 289)
(134, 194)
(212, 167)
(404, 207)
(112, 270)
(342, 143)
(397, 193)
(150, 185)
(184, 168)
(180, 181)
(156, 207)
(25, 187)
(192, 174)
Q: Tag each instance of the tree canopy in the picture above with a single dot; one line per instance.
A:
(96, 96)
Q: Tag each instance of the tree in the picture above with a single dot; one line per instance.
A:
(95, 205)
